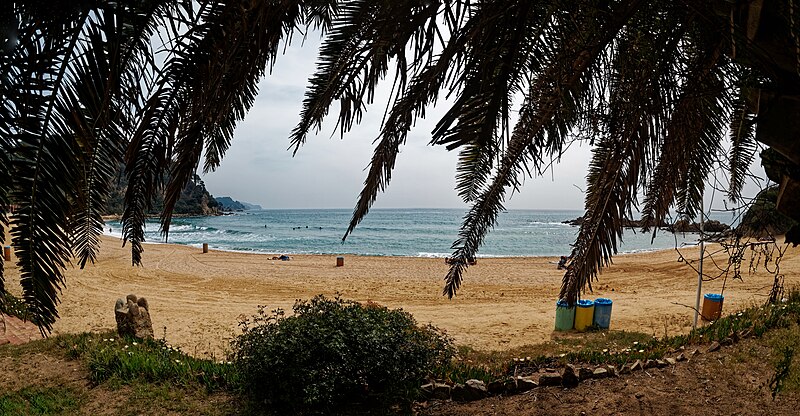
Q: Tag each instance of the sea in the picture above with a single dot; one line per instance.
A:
(391, 232)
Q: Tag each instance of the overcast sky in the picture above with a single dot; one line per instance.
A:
(328, 172)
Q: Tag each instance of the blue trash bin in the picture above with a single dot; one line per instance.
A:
(602, 313)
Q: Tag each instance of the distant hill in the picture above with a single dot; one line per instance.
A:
(195, 198)
(227, 203)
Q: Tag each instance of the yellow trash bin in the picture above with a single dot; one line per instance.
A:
(584, 314)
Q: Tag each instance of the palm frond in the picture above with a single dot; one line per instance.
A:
(219, 73)
(363, 38)
(92, 114)
(547, 116)
(743, 145)
(423, 90)
(43, 164)
(494, 73)
(690, 143)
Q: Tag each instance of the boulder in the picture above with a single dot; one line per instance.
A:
(133, 317)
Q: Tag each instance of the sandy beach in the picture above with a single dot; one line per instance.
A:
(196, 299)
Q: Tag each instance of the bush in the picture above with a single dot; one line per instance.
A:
(332, 352)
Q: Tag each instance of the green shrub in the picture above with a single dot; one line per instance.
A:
(332, 352)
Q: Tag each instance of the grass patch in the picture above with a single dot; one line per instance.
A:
(109, 357)
(40, 401)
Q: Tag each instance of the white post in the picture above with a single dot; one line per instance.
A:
(699, 271)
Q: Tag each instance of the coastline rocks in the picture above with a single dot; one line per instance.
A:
(133, 317)
(680, 226)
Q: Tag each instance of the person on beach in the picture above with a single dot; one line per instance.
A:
(562, 263)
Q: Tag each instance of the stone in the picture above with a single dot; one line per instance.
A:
(636, 366)
(681, 357)
(496, 387)
(510, 386)
(600, 372)
(476, 389)
(427, 389)
(624, 370)
(569, 378)
(459, 393)
(133, 320)
(550, 379)
(639, 395)
(612, 371)
(727, 341)
(650, 364)
(526, 384)
(661, 363)
(671, 361)
(441, 391)
(713, 347)
(142, 303)
(584, 373)
(694, 352)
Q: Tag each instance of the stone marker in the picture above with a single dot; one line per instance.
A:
(133, 317)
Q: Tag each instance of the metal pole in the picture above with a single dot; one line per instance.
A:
(699, 271)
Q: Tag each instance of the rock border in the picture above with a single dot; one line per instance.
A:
(568, 377)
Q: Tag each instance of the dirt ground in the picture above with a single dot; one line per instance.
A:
(732, 381)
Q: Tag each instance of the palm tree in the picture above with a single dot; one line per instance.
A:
(653, 86)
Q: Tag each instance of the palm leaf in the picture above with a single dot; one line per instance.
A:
(546, 118)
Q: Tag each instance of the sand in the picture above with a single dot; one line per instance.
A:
(196, 299)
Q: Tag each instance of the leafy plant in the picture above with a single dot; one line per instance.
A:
(332, 352)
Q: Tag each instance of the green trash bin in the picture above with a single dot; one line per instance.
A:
(565, 316)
